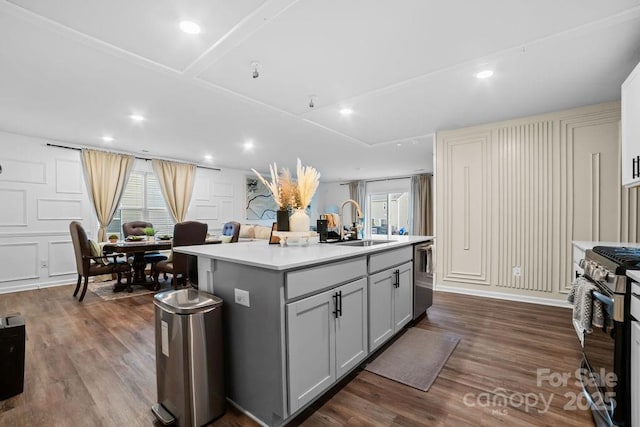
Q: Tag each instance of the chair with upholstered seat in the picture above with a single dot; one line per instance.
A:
(91, 264)
(232, 229)
(136, 228)
(184, 234)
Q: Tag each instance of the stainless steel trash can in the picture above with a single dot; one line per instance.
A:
(189, 357)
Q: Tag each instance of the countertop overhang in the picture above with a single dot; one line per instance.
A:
(261, 254)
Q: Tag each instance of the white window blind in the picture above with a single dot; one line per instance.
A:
(142, 201)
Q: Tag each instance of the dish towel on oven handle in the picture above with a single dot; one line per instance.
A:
(587, 311)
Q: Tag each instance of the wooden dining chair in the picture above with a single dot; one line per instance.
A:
(184, 234)
(88, 264)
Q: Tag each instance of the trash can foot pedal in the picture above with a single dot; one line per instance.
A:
(162, 414)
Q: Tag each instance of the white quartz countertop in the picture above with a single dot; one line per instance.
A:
(634, 274)
(275, 257)
(584, 245)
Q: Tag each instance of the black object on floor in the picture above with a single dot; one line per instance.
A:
(12, 340)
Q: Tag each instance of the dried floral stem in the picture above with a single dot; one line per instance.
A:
(308, 180)
(274, 185)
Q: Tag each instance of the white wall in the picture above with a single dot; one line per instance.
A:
(42, 190)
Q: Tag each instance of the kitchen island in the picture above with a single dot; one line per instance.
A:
(299, 318)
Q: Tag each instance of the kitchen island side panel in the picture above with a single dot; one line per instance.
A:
(254, 339)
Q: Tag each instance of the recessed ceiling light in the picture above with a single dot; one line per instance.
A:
(190, 27)
(208, 157)
(399, 144)
(248, 146)
(107, 138)
(485, 74)
(346, 111)
(136, 117)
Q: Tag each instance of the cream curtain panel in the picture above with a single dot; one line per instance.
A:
(106, 175)
(421, 207)
(176, 182)
(358, 192)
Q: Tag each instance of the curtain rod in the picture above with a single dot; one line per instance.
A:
(139, 158)
(387, 179)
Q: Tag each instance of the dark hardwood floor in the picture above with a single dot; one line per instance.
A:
(92, 363)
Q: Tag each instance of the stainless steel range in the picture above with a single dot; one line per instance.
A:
(606, 351)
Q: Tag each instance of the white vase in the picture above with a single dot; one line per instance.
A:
(299, 220)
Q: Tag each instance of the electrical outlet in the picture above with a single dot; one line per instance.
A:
(44, 263)
(517, 271)
(241, 297)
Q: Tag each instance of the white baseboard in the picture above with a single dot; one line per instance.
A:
(34, 286)
(504, 296)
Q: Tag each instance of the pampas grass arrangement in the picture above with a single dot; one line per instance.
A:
(288, 193)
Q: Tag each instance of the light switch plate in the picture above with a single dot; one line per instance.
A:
(241, 297)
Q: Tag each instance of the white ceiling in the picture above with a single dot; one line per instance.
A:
(74, 70)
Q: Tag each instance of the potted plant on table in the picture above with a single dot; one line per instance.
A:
(149, 232)
(113, 238)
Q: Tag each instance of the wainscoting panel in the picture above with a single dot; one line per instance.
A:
(207, 212)
(524, 230)
(222, 189)
(202, 189)
(19, 261)
(59, 209)
(21, 171)
(16, 216)
(512, 196)
(62, 260)
(466, 207)
(69, 177)
(226, 210)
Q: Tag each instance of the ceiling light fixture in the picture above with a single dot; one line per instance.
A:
(107, 138)
(137, 118)
(190, 27)
(248, 146)
(208, 157)
(485, 74)
(312, 101)
(346, 111)
(254, 66)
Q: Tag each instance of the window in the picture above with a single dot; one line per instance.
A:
(389, 213)
(142, 201)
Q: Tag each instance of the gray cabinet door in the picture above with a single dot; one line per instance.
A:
(403, 296)
(351, 327)
(380, 308)
(311, 347)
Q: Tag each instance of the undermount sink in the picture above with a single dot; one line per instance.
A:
(364, 242)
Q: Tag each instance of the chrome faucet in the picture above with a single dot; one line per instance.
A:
(359, 215)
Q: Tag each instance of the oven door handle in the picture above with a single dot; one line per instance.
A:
(608, 302)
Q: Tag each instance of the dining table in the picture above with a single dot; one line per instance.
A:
(136, 249)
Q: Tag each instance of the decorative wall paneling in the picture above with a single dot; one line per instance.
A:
(540, 182)
(61, 258)
(59, 209)
(14, 212)
(69, 177)
(467, 208)
(23, 172)
(19, 261)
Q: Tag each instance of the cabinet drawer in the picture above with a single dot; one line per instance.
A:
(388, 259)
(635, 300)
(310, 280)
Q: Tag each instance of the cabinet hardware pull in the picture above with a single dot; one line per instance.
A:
(636, 167)
(340, 299)
(397, 274)
(335, 304)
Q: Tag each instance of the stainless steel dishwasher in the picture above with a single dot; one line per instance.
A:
(423, 277)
